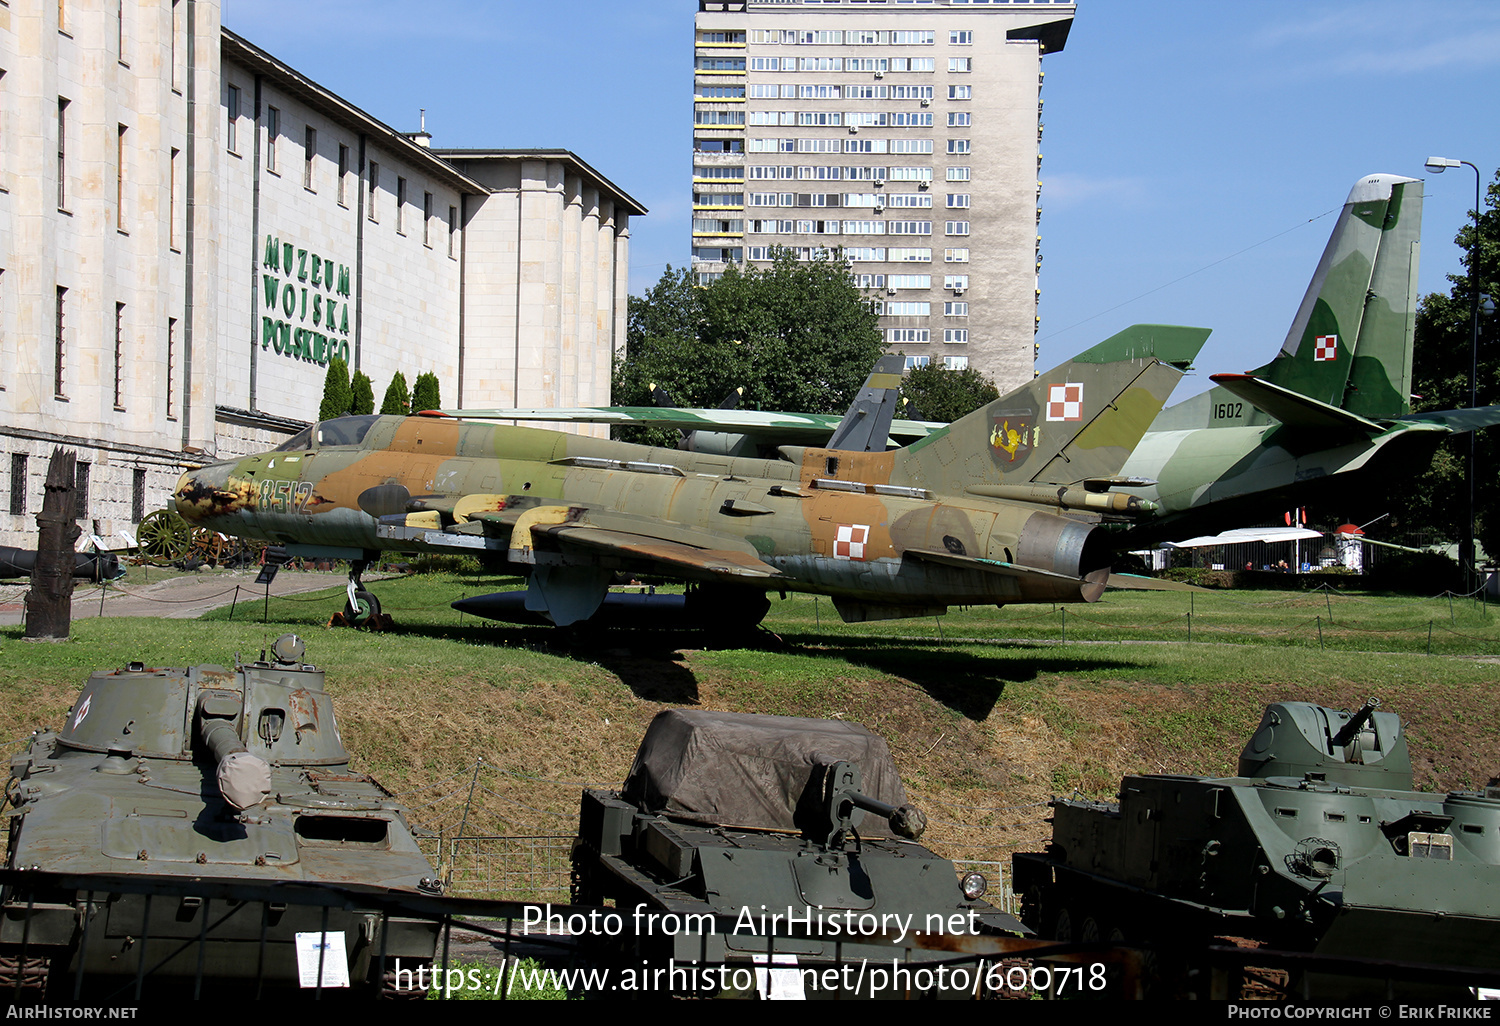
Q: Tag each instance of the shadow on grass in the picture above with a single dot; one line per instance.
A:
(968, 683)
(649, 663)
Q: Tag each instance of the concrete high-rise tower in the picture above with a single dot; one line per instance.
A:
(906, 132)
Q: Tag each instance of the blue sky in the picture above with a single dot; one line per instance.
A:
(1178, 134)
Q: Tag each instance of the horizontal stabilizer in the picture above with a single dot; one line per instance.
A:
(1293, 408)
(1132, 582)
(1458, 421)
(992, 566)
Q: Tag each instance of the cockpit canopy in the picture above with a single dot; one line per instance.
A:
(338, 431)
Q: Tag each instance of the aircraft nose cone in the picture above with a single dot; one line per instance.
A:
(210, 491)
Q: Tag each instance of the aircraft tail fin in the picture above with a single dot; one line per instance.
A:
(1074, 423)
(1350, 345)
(867, 425)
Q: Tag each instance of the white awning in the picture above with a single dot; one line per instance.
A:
(1245, 534)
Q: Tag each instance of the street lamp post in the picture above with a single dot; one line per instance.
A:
(1437, 165)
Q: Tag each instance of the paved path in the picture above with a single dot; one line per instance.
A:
(183, 597)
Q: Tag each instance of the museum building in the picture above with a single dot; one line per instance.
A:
(190, 230)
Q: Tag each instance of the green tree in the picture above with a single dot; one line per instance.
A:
(364, 393)
(797, 336)
(424, 394)
(397, 397)
(936, 393)
(338, 398)
(1437, 499)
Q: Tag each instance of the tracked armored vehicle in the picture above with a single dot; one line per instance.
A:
(750, 816)
(148, 831)
(1319, 846)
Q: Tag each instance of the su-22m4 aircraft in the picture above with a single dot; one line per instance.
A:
(998, 507)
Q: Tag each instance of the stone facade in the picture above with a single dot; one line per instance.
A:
(190, 230)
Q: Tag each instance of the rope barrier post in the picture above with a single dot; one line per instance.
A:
(1429, 637)
(1327, 601)
(234, 603)
(1320, 634)
(103, 588)
(1190, 626)
(1064, 625)
(1450, 608)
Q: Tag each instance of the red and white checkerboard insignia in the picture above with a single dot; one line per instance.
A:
(850, 543)
(1327, 348)
(1065, 402)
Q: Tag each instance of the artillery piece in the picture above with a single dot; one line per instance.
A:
(747, 816)
(192, 782)
(1318, 846)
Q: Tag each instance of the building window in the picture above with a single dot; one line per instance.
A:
(400, 205)
(171, 368)
(958, 174)
(955, 256)
(232, 131)
(962, 92)
(176, 32)
(958, 200)
(17, 483)
(955, 281)
(957, 336)
(309, 147)
(343, 174)
(273, 132)
(427, 219)
(958, 37)
(958, 146)
(452, 229)
(62, 154)
(955, 363)
(81, 490)
(374, 188)
(119, 356)
(172, 172)
(959, 119)
(120, 178)
(955, 309)
(896, 336)
(120, 30)
(913, 362)
(59, 349)
(137, 495)
(958, 65)
(956, 228)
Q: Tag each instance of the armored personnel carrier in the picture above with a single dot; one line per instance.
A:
(189, 783)
(757, 816)
(1318, 845)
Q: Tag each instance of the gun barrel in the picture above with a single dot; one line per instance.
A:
(244, 779)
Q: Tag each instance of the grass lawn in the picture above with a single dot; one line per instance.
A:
(988, 711)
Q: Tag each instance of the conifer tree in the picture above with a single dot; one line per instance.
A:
(397, 397)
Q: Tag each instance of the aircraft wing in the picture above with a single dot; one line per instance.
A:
(725, 561)
(1458, 421)
(767, 427)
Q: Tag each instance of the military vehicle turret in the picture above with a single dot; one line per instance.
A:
(1318, 845)
(197, 776)
(751, 817)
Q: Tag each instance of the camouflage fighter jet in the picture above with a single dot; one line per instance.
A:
(1331, 412)
(999, 507)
